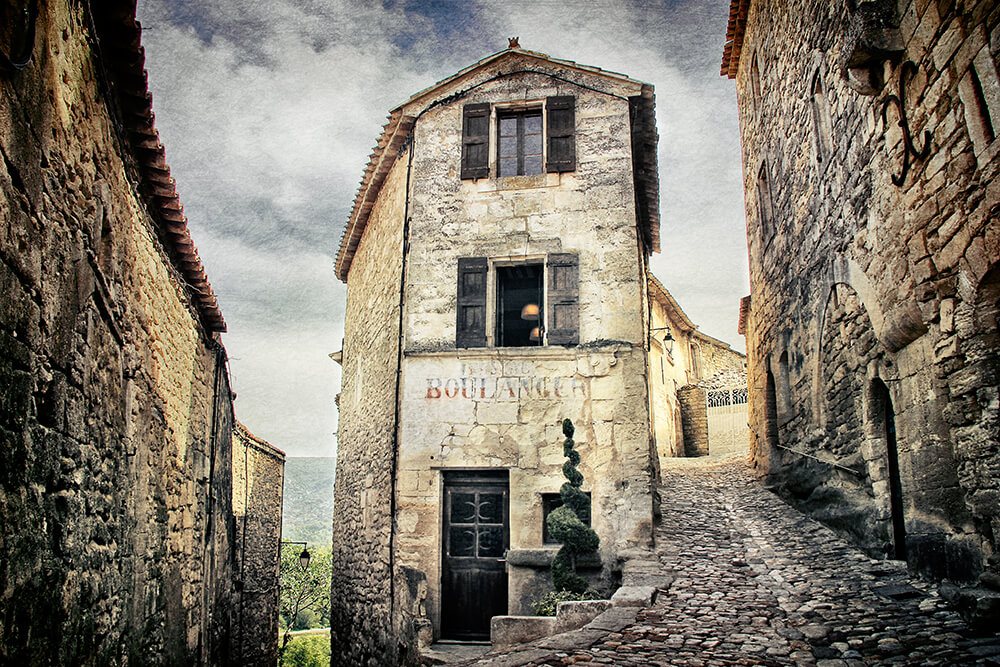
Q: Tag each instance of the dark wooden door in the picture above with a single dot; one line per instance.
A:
(476, 537)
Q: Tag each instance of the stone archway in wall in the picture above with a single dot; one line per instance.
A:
(974, 394)
(845, 488)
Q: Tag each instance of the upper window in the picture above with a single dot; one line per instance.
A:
(525, 142)
(764, 213)
(821, 120)
(503, 303)
(980, 93)
(519, 143)
(519, 315)
(755, 87)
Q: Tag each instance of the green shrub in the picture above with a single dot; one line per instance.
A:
(307, 651)
(547, 605)
(566, 523)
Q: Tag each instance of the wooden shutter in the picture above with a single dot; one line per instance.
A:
(476, 141)
(561, 132)
(563, 299)
(471, 310)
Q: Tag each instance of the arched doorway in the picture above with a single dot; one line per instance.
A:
(885, 413)
(771, 424)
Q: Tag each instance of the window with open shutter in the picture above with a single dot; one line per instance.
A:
(471, 311)
(476, 141)
(561, 131)
(563, 299)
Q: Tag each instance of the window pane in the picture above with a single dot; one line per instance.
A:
(508, 127)
(533, 124)
(532, 144)
(463, 507)
(461, 541)
(491, 507)
(533, 165)
(508, 167)
(490, 541)
(508, 146)
(517, 286)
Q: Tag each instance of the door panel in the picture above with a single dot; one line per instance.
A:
(476, 534)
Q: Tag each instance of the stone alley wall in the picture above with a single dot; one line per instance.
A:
(360, 618)
(116, 529)
(258, 484)
(869, 134)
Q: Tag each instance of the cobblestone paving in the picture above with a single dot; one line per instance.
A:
(758, 583)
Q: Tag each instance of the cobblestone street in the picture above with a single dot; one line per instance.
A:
(759, 583)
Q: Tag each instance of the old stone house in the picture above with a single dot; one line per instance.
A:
(258, 485)
(495, 262)
(697, 384)
(869, 133)
(116, 416)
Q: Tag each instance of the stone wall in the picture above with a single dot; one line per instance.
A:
(860, 281)
(258, 483)
(115, 409)
(364, 592)
(694, 416)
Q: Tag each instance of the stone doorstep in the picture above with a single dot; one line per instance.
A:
(634, 596)
(612, 620)
(509, 631)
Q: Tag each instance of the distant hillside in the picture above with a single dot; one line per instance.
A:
(307, 511)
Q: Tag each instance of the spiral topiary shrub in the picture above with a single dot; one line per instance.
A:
(566, 523)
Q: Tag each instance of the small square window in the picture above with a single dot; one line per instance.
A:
(519, 143)
(551, 501)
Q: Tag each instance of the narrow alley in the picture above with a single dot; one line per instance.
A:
(758, 583)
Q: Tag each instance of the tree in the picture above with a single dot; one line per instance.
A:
(303, 589)
(566, 523)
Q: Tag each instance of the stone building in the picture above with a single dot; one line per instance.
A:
(687, 368)
(116, 521)
(869, 133)
(495, 262)
(258, 485)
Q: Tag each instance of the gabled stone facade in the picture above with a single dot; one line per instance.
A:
(438, 408)
(870, 158)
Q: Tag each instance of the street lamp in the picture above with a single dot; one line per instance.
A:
(304, 556)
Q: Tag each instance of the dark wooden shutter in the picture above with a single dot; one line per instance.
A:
(561, 133)
(563, 299)
(471, 311)
(476, 141)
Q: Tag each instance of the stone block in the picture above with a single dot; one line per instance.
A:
(509, 631)
(634, 596)
(576, 614)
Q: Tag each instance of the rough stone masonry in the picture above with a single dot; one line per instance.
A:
(116, 521)
(869, 134)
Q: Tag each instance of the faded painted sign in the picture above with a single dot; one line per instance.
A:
(498, 381)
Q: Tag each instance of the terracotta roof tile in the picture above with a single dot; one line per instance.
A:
(120, 45)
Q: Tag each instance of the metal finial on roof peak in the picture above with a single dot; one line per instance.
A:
(512, 43)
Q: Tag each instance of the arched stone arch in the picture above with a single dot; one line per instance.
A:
(894, 328)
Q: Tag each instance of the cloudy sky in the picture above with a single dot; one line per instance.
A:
(269, 109)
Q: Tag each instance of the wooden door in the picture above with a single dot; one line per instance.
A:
(476, 536)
